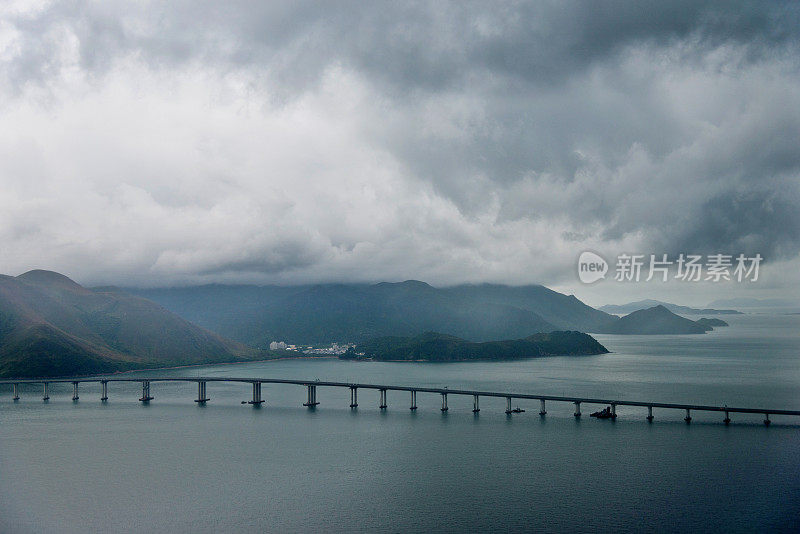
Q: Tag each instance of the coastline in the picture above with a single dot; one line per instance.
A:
(92, 375)
(220, 363)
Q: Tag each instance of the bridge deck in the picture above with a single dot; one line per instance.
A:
(447, 391)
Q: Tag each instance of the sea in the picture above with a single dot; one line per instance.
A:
(175, 466)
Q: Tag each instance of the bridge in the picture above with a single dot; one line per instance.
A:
(312, 385)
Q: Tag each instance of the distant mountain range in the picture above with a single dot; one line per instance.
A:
(256, 315)
(674, 308)
(312, 314)
(51, 326)
(756, 303)
(436, 347)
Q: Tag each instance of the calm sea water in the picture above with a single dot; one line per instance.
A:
(178, 467)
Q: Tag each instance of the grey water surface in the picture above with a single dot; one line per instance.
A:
(174, 466)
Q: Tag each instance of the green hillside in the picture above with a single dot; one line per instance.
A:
(51, 326)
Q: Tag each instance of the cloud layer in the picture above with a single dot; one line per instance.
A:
(195, 141)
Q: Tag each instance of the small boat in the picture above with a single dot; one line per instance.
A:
(517, 410)
(605, 413)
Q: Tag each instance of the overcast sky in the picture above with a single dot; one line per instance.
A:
(150, 143)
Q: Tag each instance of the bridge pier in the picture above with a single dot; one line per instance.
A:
(727, 419)
(45, 395)
(312, 396)
(577, 409)
(201, 392)
(413, 400)
(476, 406)
(444, 402)
(649, 414)
(542, 410)
(508, 405)
(353, 397)
(613, 411)
(16, 392)
(688, 417)
(75, 391)
(766, 420)
(256, 402)
(104, 387)
(146, 397)
(382, 405)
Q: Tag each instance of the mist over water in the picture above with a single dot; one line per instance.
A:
(175, 466)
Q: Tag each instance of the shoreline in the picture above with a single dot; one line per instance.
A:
(221, 363)
(283, 358)
(93, 375)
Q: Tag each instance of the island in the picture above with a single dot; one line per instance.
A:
(711, 322)
(655, 320)
(437, 347)
(674, 308)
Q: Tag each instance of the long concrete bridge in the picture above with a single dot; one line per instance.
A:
(312, 385)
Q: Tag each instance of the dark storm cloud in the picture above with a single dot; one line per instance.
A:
(750, 223)
(501, 127)
(428, 46)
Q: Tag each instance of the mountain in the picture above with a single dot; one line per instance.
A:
(655, 320)
(674, 308)
(436, 347)
(312, 314)
(315, 314)
(52, 326)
